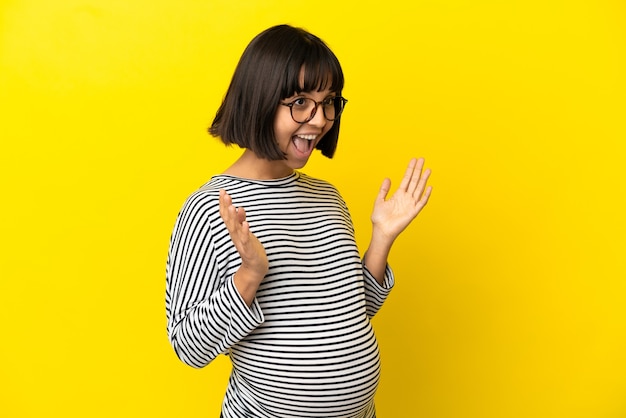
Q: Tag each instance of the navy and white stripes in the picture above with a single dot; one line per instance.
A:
(305, 348)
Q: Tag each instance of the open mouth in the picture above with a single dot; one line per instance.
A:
(304, 143)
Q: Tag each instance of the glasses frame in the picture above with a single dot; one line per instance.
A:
(291, 104)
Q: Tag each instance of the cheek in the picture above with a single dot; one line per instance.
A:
(328, 127)
(283, 123)
(284, 129)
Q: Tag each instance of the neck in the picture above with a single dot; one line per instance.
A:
(250, 166)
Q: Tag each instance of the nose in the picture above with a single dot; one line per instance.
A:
(318, 118)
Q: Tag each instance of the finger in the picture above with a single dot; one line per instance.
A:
(424, 198)
(241, 215)
(223, 204)
(228, 212)
(231, 218)
(421, 184)
(245, 229)
(408, 174)
(384, 190)
(242, 236)
(416, 177)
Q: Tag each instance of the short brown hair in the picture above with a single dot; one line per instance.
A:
(269, 71)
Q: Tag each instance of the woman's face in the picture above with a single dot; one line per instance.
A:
(296, 140)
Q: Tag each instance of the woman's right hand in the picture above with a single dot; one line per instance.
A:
(254, 263)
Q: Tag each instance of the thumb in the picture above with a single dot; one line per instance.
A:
(384, 190)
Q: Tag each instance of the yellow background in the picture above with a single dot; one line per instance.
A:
(511, 286)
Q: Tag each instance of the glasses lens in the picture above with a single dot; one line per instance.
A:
(303, 108)
(333, 106)
(330, 108)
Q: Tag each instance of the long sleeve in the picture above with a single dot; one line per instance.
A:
(205, 313)
(375, 293)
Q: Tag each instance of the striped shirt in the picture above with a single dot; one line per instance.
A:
(305, 347)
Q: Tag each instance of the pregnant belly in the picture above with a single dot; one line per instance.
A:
(313, 371)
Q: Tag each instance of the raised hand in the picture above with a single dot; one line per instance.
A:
(391, 216)
(254, 263)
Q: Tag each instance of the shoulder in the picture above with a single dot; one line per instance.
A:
(206, 195)
(317, 184)
(202, 203)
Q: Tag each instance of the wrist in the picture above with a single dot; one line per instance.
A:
(250, 274)
(380, 242)
(375, 258)
(247, 282)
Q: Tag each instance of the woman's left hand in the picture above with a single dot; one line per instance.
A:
(391, 216)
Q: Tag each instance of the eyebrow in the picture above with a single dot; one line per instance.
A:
(306, 93)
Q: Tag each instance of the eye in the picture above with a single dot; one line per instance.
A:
(329, 101)
(299, 102)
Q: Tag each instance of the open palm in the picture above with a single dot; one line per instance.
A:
(391, 216)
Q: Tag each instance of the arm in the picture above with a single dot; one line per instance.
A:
(206, 314)
(390, 217)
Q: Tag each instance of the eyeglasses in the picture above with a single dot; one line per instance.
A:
(304, 109)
